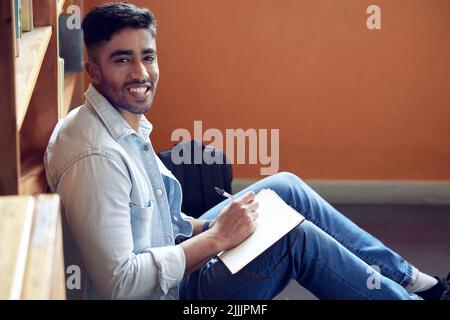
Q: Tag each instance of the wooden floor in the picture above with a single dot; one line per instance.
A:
(420, 233)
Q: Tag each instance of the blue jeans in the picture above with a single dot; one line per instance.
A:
(327, 254)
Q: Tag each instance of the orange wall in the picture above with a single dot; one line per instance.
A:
(350, 103)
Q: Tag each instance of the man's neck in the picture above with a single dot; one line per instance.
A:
(132, 119)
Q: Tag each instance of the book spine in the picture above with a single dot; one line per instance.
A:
(17, 25)
(26, 18)
(14, 25)
(61, 88)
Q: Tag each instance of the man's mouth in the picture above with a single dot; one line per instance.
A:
(140, 91)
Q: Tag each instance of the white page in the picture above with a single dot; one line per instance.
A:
(275, 219)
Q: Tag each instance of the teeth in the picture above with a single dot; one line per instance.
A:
(138, 90)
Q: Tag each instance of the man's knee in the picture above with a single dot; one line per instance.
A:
(288, 178)
(308, 233)
(297, 236)
(285, 183)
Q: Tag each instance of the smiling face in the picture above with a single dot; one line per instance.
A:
(125, 70)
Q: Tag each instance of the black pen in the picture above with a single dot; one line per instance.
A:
(223, 193)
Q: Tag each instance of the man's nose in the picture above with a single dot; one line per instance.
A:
(139, 71)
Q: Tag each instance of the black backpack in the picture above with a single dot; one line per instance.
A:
(199, 179)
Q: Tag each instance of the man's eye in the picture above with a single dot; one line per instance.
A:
(150, 58)
(122, 60)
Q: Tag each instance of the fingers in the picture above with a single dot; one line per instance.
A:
(247, 198)
(253, 215)
(253, 206)
(247, 202)
(245, 207)
(251, 210)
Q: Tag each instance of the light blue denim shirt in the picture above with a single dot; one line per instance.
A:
(122, 205)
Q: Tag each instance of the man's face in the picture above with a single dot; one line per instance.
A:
(128, 70)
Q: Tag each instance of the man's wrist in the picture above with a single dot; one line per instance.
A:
(206, 225)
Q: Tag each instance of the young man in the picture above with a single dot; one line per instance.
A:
(123, 206)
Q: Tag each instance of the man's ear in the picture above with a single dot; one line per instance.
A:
(94, 72)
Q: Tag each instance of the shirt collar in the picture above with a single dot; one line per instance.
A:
(113, 121)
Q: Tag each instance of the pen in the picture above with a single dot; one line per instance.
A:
(223, 193)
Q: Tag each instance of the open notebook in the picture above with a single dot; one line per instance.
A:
(275, 219)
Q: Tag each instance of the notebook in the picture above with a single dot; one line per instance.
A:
(275, 219)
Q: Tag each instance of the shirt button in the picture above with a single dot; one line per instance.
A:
(159, 192)
(146, 147)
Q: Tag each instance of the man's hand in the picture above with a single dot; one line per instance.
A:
(233, 225)
(236, 222)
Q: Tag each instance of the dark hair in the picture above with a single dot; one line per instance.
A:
(103, 21)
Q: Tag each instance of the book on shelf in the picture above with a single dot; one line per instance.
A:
(26, 15)
(16, 26)
(61, 68)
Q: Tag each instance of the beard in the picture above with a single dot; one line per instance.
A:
(120, 97)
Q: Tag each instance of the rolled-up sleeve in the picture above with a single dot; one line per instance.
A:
(171, 265)
(95, 193)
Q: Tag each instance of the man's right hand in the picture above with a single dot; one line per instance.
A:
(236, 222)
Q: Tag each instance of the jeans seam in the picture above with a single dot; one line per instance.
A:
(383, 267)
(254, 278)
(340, 279)
(257, 277)
(266, 275)
(407, 278)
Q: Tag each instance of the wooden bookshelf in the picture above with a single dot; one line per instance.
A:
(45, 256)
(33, 47)
(31, 103)
(31, 248)
(16, 218)
(60, 6)
(31, 242)
(70, 84)
(32, 179)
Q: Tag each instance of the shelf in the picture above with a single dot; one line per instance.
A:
(70, 82)
(60, 6)
(45, 253)
(32, 180)
(31, 248)
(33, 46)
(16, 219)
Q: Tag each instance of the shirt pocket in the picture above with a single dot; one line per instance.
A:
(141, 220)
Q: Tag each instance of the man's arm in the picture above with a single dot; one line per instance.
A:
(95, 193)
